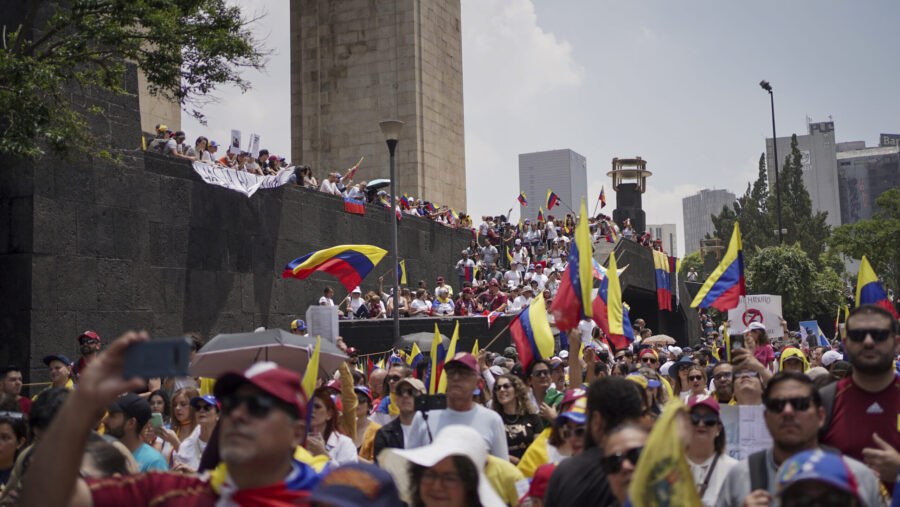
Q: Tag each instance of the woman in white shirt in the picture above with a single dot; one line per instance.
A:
(419, 307)
(706, 454)
(326, 435)
(187, 457)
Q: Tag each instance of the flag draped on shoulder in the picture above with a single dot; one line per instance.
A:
(725, 285)
(531, 333)
(348, 263)
(451, 351)
(869, 290)
(573, 300)
(608, 309)
(662, 476)
(663, 282)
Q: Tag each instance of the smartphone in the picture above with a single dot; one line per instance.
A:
(165, 357)
(736, 342)
(156, 420)
(427, 402)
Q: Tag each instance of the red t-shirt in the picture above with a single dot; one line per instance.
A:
(25, 404)
(858, 414)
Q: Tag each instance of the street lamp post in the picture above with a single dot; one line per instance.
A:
(767, 87)
(391, 131)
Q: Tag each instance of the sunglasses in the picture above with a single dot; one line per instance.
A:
(859, 335)
(566, 433)
(777, 405)
(651, 360)
(500, 387)
(203, 407)
(258, 406)
(708, 420)
(540, 373)
(723, 376)
(620, 358)
(612, 464)
(407, 391)
(695, 377)
(394, 378)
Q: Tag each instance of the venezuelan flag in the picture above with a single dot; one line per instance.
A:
(869, 290)
(414, 357)
(552, 199)
(475, 348)
(540, 216)
(348, 263)
(573, 301)
(531, 333)
(404, 201)
(401, 272)
(724, 286)
(469, 273)
(437, 355)
(602, 198)
(451, 351)
(522, 200)
(509, 256)
(609, 311)
(352, 171)
(308, 384)
(663, 284)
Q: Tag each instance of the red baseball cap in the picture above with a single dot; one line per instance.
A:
(268, 376)
(334, 384)
(705, 400)
(465, 359)
(89, 335)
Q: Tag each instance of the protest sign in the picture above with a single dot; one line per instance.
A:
(235, 146)
(745, 430)
(762, 308)
(323, 321)
(809, 331)
(253, 149)
(239, 181)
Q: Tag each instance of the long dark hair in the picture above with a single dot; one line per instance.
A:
(464, 468)
(167, 405)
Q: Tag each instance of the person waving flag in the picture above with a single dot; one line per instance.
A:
(552, 199)
(725, 285)
(602, 198)
(573, 301)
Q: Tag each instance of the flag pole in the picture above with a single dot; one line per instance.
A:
(500, 333)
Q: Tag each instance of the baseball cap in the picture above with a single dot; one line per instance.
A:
(132, 405)
(705, 400)
(413, 382)
(90, 335)
(577, 413)
(464, 359)
(334, 384)
(280, 383)
(207, 398)
(351, 351)
(440, 278)
(510, 352)
(830, 357)
(213, 144)
(555, 362)
(57, 357)
(755, 325)
(518, 241)
(540, 481)
(364, 390)
(357, 485)
(817, 465)
(494, 283)
(563, 354)
(298, 325)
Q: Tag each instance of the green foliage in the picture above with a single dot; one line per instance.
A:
(806, 290)
(751, 211)
(877, 239)
(693, 260)
(185, 48)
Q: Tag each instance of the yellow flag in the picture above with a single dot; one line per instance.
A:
(413, 353)
(662, 476)
(312, 371)
(475, 349)
(432, 383)
(451, 351)
(727, 341)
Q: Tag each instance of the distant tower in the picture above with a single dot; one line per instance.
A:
(629, 179)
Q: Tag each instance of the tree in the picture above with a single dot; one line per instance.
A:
(807, 291)
(185, 48)
(877, 238)
(693, 260)
(752, 213)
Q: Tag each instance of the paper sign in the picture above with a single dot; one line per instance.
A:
(235, 146)
(809, 329)
(763, 308)
(745, 430)
(253, 149)
(323, 321)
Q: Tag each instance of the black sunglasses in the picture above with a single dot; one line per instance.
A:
(648, 360)
(859, 335)
(777, 405)
(498, 387)
(565, 433)
(407, 391)
(258, 406)
(204, 407)
(708, 420)
(540, 373)
(394, 378)
(612, 464)
(695, 377)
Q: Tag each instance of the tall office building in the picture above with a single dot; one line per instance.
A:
(698, 209)
(563, 171)
(819, 161)
(357, 62)
(668, 233)
(863, 175)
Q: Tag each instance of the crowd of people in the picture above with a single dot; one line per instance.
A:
(567, 430)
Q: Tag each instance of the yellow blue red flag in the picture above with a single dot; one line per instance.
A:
(573, 300)
(451, 351)
(348, 263)
(725, 285)
(869, 290)
(531, 333)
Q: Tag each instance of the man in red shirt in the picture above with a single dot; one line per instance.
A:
(865, 421)
(11, 385)
(493, 299)
(89, 344)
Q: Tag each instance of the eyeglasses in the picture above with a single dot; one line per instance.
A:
(777, 405)
(407, 391)
(859, 335)
(459, 372)
(566, 433)
(204, 407)
(695, 377)
(612, 464)
(499, 387)
(723, 376)
(394, 378)
(708, 420)
(447, 480)
(258, 406)
(651, 360)
(745, 374)
(540, 373)
(362, 399)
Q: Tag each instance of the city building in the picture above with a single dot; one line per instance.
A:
(863, 175)
(357, 62)
(818, 157)
(563, 171)
(697, 214)
(668, 233)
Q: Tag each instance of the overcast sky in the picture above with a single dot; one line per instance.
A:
(673, 82)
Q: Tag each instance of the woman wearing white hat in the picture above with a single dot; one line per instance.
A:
(449, 471)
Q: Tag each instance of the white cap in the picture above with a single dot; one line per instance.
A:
(518, 241)
(563, 354)
(755, 325)
(674, 349)
(829, 357)
(356, 290)
(664, 369)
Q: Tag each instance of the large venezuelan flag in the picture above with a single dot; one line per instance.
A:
(348, 263)
(573, 301)
(869, 290)
(663, 283)
(724, 286)
(609, 311)
(531, 333)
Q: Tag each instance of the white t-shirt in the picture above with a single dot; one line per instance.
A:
(541, 280)
(699, 471)
(329, 188)
(190, 451)
(171, 145)
(522, 301)
(488, 423)
(341, 449)
(419, 305)
(512, 276)
(355, 303)
(324, 301)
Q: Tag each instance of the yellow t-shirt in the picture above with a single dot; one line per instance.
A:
(503, 477)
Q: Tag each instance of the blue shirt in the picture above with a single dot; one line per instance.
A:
(149, 458)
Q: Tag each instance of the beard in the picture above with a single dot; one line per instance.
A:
(884, 362)
(116, 431)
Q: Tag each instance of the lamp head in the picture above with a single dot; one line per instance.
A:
(391, 129)
(765, 86)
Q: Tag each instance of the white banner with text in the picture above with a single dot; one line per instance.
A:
(239, 181)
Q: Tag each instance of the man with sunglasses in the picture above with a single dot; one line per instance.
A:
(625, 356)
(864, 420)
(793, 415)
(393, 434)
(89, 343)
(387, 411)
(462, 379)
(649, 359)
(263, 421)
(723, 388)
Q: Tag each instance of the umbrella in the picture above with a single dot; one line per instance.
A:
(424, 339)
(240, 350)
(376, 184)
(661, 339)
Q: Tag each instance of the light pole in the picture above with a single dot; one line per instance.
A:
(767, 87)
(391, 131)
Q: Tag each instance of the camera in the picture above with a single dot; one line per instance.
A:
(427, 402)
